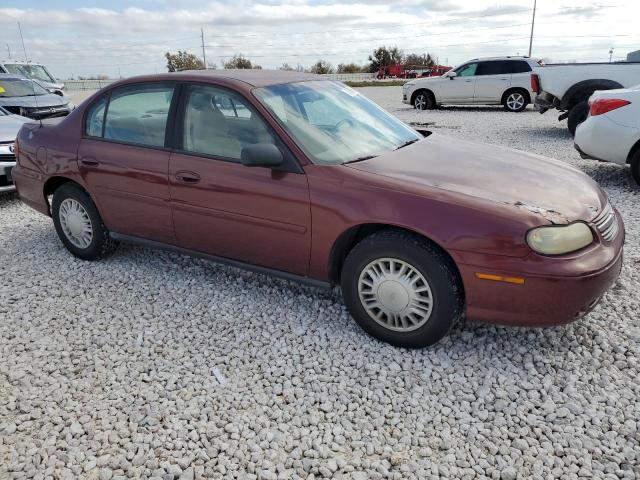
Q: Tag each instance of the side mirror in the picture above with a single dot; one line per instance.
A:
(451, 74)
(261, 155)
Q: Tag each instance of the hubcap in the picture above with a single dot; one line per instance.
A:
(515, 101)
(75, 223)
(395, 294)
(421, 102)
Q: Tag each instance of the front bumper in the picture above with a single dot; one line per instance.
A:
(574, 286)
(6, 179)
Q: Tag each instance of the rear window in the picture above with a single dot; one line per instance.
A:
(494, 68)
(519, 67)
(135, 114)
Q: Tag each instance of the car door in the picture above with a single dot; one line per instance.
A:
(254, 215)
(458, 89)
(492, 80)
(124, 162)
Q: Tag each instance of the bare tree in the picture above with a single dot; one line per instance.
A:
(177, 62)
(321, 67)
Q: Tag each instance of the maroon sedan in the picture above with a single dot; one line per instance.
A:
(304, 178)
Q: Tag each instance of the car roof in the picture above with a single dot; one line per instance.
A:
(254, 78)
(485, 59)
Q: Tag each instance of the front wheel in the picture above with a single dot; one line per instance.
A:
(423, 101)
(515, 101)
(402, 289)
(78, 223)
(577, 115)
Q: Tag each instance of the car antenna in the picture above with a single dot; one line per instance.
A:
(33, 87)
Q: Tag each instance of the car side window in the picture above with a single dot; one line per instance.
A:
(138, 114)
(220, 123)
(494, 68)
(94, 119)
(468, 70)
(519, 67)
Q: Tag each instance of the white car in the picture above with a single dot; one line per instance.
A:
(611, 132)
(486, 81)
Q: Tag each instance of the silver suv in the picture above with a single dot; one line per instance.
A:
(483, 81)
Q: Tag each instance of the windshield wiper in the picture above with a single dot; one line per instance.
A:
(360, 159)
(407, 143)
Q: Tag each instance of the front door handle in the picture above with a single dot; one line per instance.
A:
(89, 162)
(187, 177)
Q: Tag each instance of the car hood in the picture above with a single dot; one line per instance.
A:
(49, 100)
(9, 126)
(538, 185)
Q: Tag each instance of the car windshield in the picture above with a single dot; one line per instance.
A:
(37, 72)
(17, 87)
(332, 123)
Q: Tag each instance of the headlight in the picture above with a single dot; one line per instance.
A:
(556, 240)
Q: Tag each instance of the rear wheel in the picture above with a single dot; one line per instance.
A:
(424, 101)
(515, 101)
(79, 225)
(635, 167)
(402, 289)
(577, 115)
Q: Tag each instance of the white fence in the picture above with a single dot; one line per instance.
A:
(78, 85)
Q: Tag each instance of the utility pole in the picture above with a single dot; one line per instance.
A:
(610, 54)
(533, 22)
(204, 55)
(8, 51)
(22, 38)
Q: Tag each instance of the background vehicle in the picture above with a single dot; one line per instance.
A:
(285, 172)
(411, 71)
(9, 126)
(22, 96)
(35, 71)
(488, 81)
(611, 132)
(568, 86)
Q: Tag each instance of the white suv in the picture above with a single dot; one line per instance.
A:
(485, 81)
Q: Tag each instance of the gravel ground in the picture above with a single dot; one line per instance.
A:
(151, 364)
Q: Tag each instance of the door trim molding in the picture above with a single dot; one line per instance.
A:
(222, 260)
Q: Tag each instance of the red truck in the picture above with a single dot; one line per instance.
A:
(411, 71)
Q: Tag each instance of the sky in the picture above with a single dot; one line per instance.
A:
(122, 38)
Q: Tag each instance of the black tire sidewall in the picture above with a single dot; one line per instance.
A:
(100, 235)
(577, 113)
(635, 167)
(447, 304)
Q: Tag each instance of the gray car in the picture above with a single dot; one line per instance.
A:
(34, 71)
(9, 126)
(22, 96)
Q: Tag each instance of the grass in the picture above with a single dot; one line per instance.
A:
(392, 83)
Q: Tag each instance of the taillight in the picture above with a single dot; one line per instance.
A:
(535, 83)
(604, 105)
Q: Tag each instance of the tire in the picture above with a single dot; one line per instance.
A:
(635, 167)
(577, 115)
(423, 101)
(515, 101)
(76, 218)
(425, 265)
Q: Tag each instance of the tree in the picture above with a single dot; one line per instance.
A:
(349, 68)
(238, 61)
(183, 61)
(321, 67)
(285, 66)
(383, 56)
(424, 59)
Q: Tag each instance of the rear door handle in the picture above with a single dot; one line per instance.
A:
(187, 177)
(89, 162)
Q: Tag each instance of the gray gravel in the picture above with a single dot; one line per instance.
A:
(155, 365)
